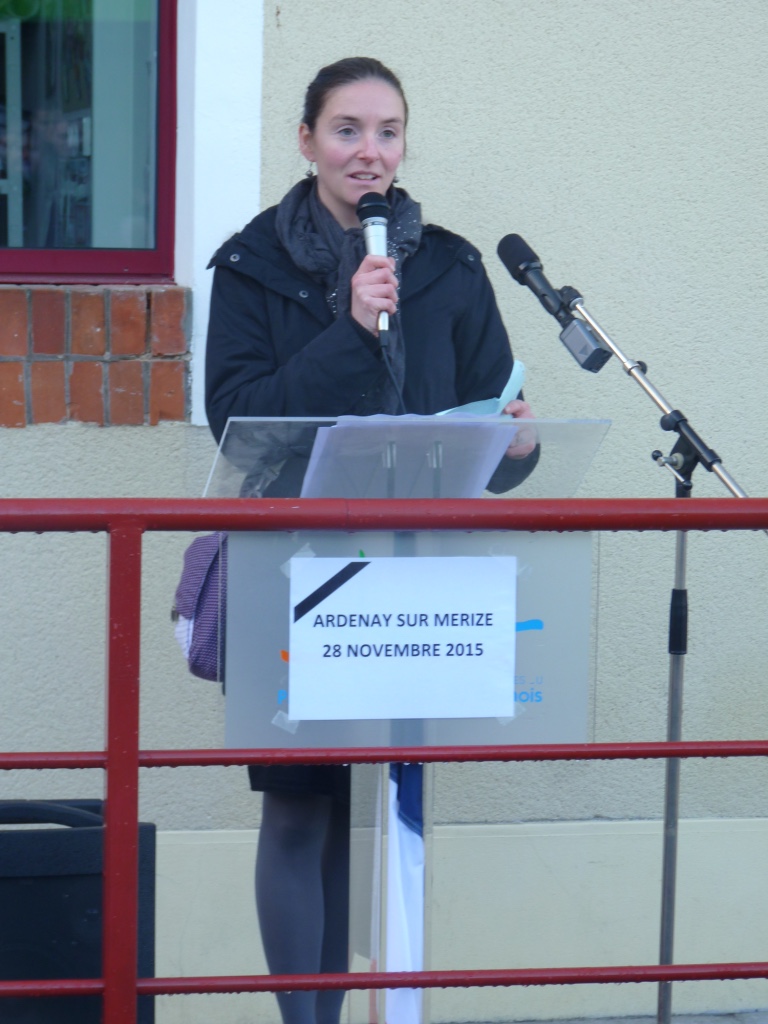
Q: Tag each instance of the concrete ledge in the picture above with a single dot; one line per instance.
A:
(559, 894)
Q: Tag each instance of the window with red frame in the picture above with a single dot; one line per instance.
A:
(87, 140)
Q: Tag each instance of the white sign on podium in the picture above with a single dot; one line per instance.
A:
(402, 638)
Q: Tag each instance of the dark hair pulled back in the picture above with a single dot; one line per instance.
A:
(342, 72)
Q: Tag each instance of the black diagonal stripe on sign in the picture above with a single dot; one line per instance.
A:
(342, 576)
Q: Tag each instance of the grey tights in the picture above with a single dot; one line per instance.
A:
(302, 897)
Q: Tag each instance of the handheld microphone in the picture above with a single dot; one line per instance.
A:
(373, 211)
(577, 336)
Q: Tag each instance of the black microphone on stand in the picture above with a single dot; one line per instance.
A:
(577, 336)
(373, 211)
(525, 266)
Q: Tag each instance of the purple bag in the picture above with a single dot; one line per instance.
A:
(200, 608)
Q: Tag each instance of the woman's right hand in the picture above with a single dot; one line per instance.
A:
(374, 291)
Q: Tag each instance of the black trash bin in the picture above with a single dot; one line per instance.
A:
(51, 906)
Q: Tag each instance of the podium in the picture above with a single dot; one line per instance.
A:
(391, 638)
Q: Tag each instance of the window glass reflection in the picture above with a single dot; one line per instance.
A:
(78, 86)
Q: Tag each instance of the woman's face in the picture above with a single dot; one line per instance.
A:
(357, 145)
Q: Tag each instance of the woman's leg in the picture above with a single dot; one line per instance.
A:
(302, 895)
(335, 950)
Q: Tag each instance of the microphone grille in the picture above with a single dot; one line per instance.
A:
(517, 256)
(372, 205)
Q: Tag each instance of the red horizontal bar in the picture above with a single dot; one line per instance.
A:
(426, 755)
(454, 979)
(93, 514)
(54, 759)
(55, 987)
(402, 979)
(385, 755)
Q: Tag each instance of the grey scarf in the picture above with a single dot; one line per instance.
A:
(318, 244)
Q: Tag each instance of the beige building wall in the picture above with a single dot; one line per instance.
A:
(626, 142)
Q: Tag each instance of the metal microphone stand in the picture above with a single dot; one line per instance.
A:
(689, 451)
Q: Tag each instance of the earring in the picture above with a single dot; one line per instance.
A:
(395, 180)
(309, 173)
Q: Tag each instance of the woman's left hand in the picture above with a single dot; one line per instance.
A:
(525, 439)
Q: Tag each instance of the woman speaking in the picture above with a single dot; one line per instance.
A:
(294, 331)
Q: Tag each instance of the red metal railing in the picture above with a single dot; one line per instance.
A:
(126, 520)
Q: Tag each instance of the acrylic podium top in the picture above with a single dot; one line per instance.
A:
(400, 457)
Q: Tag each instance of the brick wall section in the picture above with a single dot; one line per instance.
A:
(113, 355)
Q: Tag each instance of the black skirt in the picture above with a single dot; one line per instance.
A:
(331, 780)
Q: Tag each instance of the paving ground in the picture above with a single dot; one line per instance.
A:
(754, 1017)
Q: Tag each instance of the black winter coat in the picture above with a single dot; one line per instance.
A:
(275, 349)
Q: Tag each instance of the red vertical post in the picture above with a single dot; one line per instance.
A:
(121, 855)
